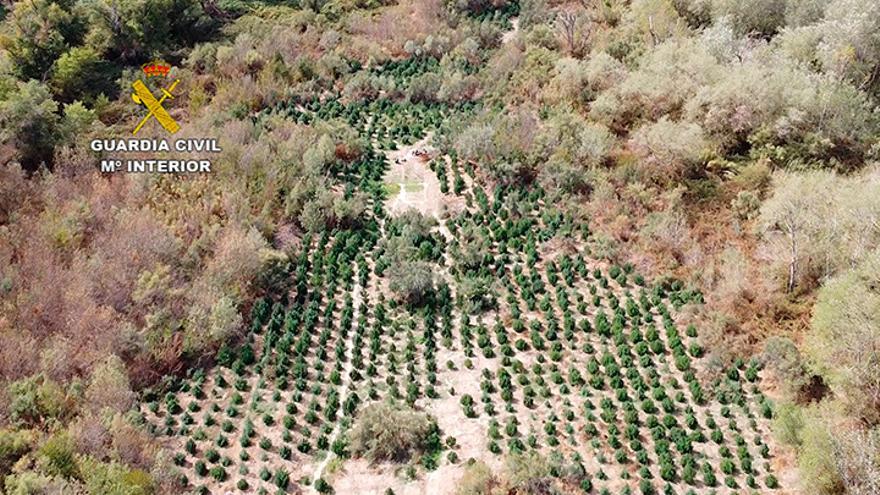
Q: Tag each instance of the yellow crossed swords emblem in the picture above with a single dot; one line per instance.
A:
(143, 96)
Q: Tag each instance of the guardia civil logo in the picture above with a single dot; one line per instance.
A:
(153, 104)
(188, 155)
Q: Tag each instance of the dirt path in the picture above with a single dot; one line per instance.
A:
(510, 35)
(357, 301)
(402, 195)
(409, 168)
(419, 186)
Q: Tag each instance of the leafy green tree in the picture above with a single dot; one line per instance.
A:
(134, 30)
(81, 73)
(76, 120)
(40, 32)
(29, 122)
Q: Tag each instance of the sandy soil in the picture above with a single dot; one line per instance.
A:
(419, 188)
(361, 478)
(510, 35)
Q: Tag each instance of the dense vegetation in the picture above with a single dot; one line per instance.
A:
(667, 236)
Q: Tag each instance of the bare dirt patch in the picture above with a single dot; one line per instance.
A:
(411, 183)
(361, 478)
(507, 36)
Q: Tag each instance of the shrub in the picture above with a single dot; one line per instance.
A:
(57, 455)
(670, 149)
(32, 120)
(109, 387)
(781, 356)
(412, 281)
(218, 473)
(110, 477)
(763, 17)
(32, 482)
(34, 399)
(529, 469)
(281, 479)
(322, 486)
(817, 462)
(388, 431)
(477, 480)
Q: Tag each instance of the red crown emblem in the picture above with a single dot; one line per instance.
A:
(156, 69)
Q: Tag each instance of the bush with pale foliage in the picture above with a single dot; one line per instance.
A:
(844, 338)
(393, 432)
(109, 387)
(819, 223)
(478, 479)
(411, 281)
(670, 149)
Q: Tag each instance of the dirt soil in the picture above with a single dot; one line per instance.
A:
(419, 188)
